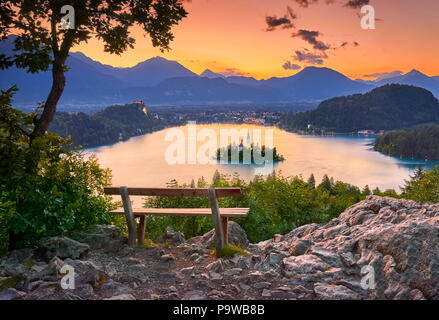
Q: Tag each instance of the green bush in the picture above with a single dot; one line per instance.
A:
(277, 204)
(47, 189)
(423, 186)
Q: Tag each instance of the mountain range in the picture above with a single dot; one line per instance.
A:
(159, 81)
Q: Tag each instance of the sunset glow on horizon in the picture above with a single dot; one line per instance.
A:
(230, 36)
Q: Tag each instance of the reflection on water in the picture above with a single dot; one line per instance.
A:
(140, 161)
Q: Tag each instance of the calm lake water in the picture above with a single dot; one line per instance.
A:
(141, 162)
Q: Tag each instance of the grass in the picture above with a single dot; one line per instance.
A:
(147, 243)
(230, 251)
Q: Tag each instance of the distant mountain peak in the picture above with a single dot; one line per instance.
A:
(210, 74)
(415, 72)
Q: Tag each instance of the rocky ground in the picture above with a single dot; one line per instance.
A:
(380, 248)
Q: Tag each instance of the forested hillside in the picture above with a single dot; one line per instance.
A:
(107, 126)
(421, 142)
(386, 108)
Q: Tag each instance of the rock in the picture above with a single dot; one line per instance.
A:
(215, 276)
(243, 262)
(131, 261)
(334, 292)
(282, 294)
(301, 290)
(188, 270)
(86, 272)
(256, 259)
(303, 264)
(244, 287)
(397, 239)
(11, 294)
(270, 274)
(275, 258)
(266, 293)
(194, 295)
(106, 237)
(348, 259)
(41, 272)
(328, 256)
(122, 297)
(232, 272)
(200, 260)
(261, 285)
(167, 258)
(299, 247)
(216, 266)
(255, 276)
(237, 237)
(136, 268)
(172, 237)
(63, 247)
(194, 256)
(81, 292)
(173, 289)
(112, 288)
(14, 269)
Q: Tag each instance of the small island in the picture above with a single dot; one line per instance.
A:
(246, 154)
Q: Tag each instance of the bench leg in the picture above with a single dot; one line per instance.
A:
(141, 230)
(224, 222)
(129, 215)
(219, 234)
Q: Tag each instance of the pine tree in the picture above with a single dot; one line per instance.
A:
(366, 191)
(326, 184)
(312, 181)
(216, 178)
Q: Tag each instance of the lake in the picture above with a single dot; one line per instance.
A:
(141, 161)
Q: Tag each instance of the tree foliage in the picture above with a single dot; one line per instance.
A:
(423, 186)
(421, 142)
(42, 43)
(110, 125)
(277, 204)
(386, 108)
(63, 194)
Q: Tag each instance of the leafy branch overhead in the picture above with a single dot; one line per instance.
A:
(42, 44)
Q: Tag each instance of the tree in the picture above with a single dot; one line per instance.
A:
(312, 181)
(327, 184)
(366, 191)
(43, 43)
(62, 195)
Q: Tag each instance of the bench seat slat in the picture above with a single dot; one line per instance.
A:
(189, 212)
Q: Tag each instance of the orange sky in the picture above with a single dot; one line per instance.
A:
(222, 34)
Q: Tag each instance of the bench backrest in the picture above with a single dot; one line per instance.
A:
(175, 192)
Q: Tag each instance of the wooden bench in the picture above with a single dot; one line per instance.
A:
(219, 215)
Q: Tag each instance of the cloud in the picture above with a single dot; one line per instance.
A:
(286, 21)
(383, 75)
(305, 3)
(311, 38)
(309, 57)
(291, 66)
(355, 4)
(346, 43)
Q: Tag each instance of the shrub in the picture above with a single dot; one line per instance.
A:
(47, 188)
(277, 205)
